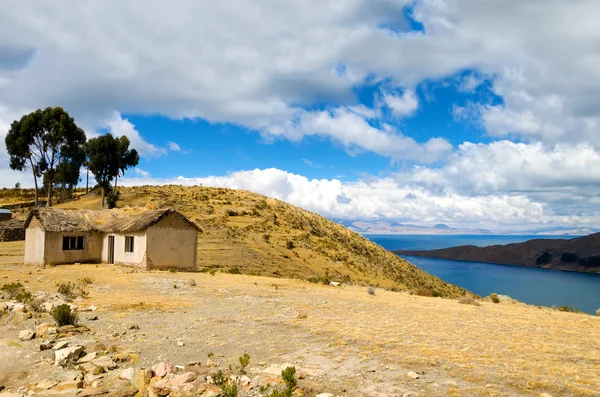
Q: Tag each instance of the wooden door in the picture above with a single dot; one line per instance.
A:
(111, 249)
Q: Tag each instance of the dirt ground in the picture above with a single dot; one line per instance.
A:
(346, 341)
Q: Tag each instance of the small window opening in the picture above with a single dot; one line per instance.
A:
(128, 243)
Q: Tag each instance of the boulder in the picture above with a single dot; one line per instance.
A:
(412, 374)
(69, 385)
(162, 369)
(87, 358)
(105, 362)
(45, 385)
(41, 331)
(92, 391)
(67, 356)
(26, 334)
(91, 368)
(127, 374)
(60, 345)
(46, 345)
(141, 380)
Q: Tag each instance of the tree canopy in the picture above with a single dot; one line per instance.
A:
(41, 141)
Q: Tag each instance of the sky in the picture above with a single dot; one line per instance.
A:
(472, 113)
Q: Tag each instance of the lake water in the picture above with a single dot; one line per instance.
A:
(527, 284)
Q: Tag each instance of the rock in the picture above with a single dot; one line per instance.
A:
(67, 375)
(245, 380)
(60, 345)
(69, 385)
(41, 331)
(127, 374)
(163, 387)
(26, 334)
(193, 363)
(92, 318)
(209, 363)
(91, 369)
(46, 345)
(412, 374)
(105, 362)
(179, 368)
(162, 369)
(141, 380)
(90, 378)
(66, 356)
(45, 385)
(545, 395)
(92, 391)
(325, 395)
(9, 394)
(335, 283)
(180, 344)
(87, 358)
(122, 392)
(92, 308)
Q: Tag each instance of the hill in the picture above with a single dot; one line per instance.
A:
(581, 254)
(244, 232)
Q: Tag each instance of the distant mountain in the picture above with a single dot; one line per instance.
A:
(581, 254)
(392, 227)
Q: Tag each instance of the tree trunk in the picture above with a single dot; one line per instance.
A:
(50, 182)
(87, 181)
(116, 179)
(34, 182)
(103, 193)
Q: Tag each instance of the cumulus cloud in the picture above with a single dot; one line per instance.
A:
(402, 105)
(119, 126)
(174, 147)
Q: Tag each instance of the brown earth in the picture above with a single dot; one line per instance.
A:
(346, 341)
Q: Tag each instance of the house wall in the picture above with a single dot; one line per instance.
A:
(34, 244)
(136, 258)
(92, 248)
(172, 243)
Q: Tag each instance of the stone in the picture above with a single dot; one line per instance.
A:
(141, 380)
(412, 374)
(193, 363)
(162, 369)
(180, 343)
(92, 391)
(545, 395)
(60, 345)
(90, 378)
(122, 392)
(87, 358)
(209, 363)
(325, 395)
(245, 380)
(26, 334)
(127, 374)
(46, 345)
(105, 362)
(68, 355)
(91, 368)
(45, 385)
(41, 331)
(92, 318)
(69, 385)
(92, 308)
(335, 283)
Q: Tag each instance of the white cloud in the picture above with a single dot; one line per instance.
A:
(174, 147)
(402, 105)
(386, 198)
(143, 174)
(118, 126)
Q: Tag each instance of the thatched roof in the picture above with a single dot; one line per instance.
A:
(111, 221)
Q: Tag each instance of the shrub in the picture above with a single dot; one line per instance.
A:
(495, 298)
(86, 280)
(234, 270)
(12, 289)
(232, 213)
(63, 315)
(111, 199)
(566, 308)
(423, 291)
(191, 282)
(313, 279)
(24, 296)
(67, 290)
(469, 300)
(267, 237)
(543, 259)
(598, 312)
(290, 245)
(371, 290)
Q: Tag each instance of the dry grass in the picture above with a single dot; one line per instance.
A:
(301, 244)
(491, 349)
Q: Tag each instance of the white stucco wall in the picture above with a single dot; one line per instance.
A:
(172, 243)
(92, 247)
(34, 244)
(136, 258)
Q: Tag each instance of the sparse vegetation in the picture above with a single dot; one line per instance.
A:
(290, 245)
(17, 292)
(234, 270)
(495, 298)
(63, 315)
(371, 290)
(469, 300)
(86, 280)
(566, 308)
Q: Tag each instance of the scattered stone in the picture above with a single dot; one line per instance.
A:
(92, 318)
(141, 380)
(325, 395)
(60, 345)
(69, 385)
(26, 334)
(87, 358)
(335, 283)
(90, 378)
(135, 327)
(179, 368)
(64, 357)
(209, 363)
(180, 343)
(91, 369)
(105, 362)
(413, 374)
(92, 308)
(545, 395)
(245, 380)
(45, 385)
(46, 345)
(128, 375)
(67, 375)
(92, 391)
(193, 363)
(162, 369)
(41, 331)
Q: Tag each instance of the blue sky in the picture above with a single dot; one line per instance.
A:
(417, 111)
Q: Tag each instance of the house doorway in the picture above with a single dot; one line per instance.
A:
(111, 249)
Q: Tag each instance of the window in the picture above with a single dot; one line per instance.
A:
(128, 243)
(72, 243)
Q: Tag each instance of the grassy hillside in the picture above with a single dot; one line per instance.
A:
(247, 232)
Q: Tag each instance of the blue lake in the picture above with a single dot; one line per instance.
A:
(530, 285)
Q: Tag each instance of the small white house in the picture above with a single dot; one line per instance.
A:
(150, 239)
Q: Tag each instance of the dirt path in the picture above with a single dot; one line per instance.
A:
(344, 340)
